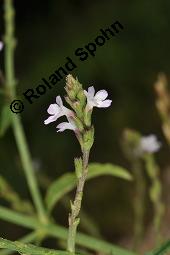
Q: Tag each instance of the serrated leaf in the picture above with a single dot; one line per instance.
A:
(67, 182)
(5, 119)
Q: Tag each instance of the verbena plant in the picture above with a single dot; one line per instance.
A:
(37, 216)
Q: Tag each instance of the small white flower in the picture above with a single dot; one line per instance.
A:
(66, 125)
(97, 100)
(149, 144)
(1, 45)
(57, 110)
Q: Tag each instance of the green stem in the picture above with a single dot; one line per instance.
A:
(26, 239)
(139, 204)
(28, 248)
(16, 122)
(155, 194)
(76, 206)
(54, 230)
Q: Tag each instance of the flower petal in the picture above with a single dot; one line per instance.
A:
(1, 45)
(51, 119)
(91, 91)
(53, 109)
(86, 93)
(104, 104)
(65, 125)
(101, 95)
(59, 101)
(150, 144)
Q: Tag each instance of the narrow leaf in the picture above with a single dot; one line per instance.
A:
(162, 250)
(29, 248)
(67, 182)
(61, 233)
(5, 119)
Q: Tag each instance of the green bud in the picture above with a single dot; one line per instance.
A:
(78, 85)
(71, 93)
(78, 167)
(87, 118)
(78, 124)
(70, 81)
(88, 139)
(72, 87)
(75, 105)
(82, 98)
(70, 102)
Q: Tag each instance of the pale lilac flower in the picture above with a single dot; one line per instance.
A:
(66, 125)
(98, 99)
(149, 144)
(1, 45)
(57, 110)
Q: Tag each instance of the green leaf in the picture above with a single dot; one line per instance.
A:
(29, 248)
(5, 119)
(59, 232)
(67, 182)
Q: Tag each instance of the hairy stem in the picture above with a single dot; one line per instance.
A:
(16, 122)
(76, 206)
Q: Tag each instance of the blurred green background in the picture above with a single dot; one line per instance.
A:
(127, 66)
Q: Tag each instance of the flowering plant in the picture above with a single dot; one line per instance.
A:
(79, 120)
(36, 213)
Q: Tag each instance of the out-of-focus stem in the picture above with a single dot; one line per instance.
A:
(16, 121)
(155, 194)
(139, 203)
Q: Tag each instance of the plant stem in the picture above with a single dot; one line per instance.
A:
(16, 122)
(153, 172)
(26, 239)
(28, 248)
(76, 206)
(139, 204)
(57, 231)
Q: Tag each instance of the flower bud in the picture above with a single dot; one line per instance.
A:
(78, 109)
(71, 93)
(72, 87)
(82, 98)
(78, 123)
(88, 139)
(87, 117)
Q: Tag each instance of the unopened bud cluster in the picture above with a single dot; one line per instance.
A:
(77, 101)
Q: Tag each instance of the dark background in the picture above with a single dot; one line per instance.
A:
(127, 66)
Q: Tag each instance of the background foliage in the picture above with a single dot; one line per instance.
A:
(126, 66)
